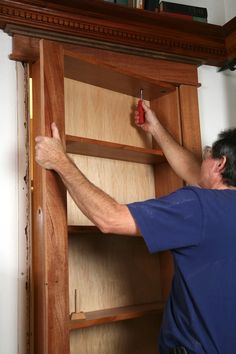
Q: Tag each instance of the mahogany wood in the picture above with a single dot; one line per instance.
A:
(50, 265)
(168, 111)
(104, 25)
(191, 138)
(116, 80)
(94, 318)
(98, 148)
(152, 71)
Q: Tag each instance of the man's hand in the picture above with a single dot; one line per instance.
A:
(49, 152)
(151, 120)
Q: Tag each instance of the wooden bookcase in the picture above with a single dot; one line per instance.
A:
(96, 293)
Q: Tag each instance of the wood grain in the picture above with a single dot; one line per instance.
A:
(116, 314)
(101, 24)
(189, 111)
(116, 77)
(101, 114)
(106, 149)
(167, 110)
(153, 71)
(50, 264)
(137, 336)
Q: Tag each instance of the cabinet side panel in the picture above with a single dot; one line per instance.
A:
(102, 114)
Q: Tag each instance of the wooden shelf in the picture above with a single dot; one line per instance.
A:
(105, 149)
(91, 70)
(88, 230)
(94, 318)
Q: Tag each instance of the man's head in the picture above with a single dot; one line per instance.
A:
(219, 163)
(225, 145)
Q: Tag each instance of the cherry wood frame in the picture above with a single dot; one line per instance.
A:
(52, 322)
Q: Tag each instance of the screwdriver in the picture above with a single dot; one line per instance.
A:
(140, 109)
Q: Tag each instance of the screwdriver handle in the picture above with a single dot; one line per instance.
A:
(141, 112)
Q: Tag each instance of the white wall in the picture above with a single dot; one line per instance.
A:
(9, 201)
(230, 9)
(217, 104)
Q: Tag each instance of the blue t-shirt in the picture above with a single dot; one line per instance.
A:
(199, 227)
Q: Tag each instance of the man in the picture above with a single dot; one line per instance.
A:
(196, 223)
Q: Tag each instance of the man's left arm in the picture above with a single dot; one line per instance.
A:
(106, 213)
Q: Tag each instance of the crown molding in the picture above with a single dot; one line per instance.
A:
(101, 24)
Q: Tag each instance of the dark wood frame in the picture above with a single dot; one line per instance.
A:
(104, 25)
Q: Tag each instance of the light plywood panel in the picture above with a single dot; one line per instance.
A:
(124, 181)
(128, 337)
(111, 271)
(102, 114)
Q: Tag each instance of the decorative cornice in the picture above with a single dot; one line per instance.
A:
(137, 33)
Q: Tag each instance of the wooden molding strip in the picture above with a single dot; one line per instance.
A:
(107, 25)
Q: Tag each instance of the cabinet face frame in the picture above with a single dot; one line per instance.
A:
(50, 234)
(50, 241)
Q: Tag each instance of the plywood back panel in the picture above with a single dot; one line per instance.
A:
(98, 113)
(124, 181)
(137, 336)
(111, 271)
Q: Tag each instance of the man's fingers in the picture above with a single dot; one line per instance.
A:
(145, 107)
(39, 138)
(55, 131)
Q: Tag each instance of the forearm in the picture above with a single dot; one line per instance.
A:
(99, 207)
(182, 161)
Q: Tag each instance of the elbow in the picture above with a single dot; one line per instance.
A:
(110, 223)
(106, 226)
(105, 229)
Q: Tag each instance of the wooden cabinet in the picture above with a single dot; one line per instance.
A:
(96, 293)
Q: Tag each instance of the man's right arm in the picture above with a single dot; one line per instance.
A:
(182, 161)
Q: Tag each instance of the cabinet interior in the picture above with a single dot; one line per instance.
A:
(111, 277)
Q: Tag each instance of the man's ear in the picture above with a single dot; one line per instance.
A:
(221, 164)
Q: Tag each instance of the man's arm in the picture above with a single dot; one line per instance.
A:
(108, 215)
(182, 161)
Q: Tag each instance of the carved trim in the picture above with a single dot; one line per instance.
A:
(66, 27)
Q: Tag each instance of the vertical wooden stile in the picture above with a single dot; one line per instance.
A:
(178, 112)
(166, 181)
(189, 111)
(50, 239)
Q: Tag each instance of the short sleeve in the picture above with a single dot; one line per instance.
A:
(170, 222)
